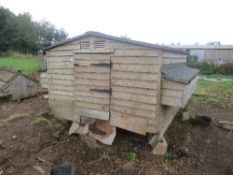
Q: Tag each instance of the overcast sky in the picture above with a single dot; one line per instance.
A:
(155, 21)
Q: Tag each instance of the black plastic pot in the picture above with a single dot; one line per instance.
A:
(63, 170)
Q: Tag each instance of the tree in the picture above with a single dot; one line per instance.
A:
(26, 35)
(48, 34)
(22, 34)
(7, 29)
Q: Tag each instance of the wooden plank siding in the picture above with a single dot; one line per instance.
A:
(177, 94)
(134, 78)
(170, 58)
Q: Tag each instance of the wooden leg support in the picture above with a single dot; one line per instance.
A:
(159, 147)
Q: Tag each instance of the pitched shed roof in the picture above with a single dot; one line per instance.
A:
(7, 75)
(114, 38)
(178, 72)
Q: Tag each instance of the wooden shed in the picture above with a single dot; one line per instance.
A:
(124, 83)
(17, 85)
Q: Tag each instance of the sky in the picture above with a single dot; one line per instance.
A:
(154, 21)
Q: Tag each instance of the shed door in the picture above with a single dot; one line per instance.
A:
(92, 84)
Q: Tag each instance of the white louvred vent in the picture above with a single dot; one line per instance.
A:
(100, 44)
(84, 44)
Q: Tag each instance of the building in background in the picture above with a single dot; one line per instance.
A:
(210, 53)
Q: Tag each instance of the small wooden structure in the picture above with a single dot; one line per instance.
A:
(17, 85)
(126, 83)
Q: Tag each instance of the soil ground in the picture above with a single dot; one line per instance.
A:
(26, 136)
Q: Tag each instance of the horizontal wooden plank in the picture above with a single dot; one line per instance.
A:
(102, 115)
(99, 51)
(92, 94)
(173, 55)
(61, 97)
(91, 62)
(99, 76)
(136, 52)
(136, 68)
(172, 61)
(59, 92)
(92, 106)
(133, 104)
(134, 97)
(86, 56)
(60, 77)
(133, 90)
(97, 83)
(134, 76)
(61, 82)
(61, 71)
(92, 69)
(142, 60)
(59, 59)
(92, 100)
(52, 53)
(61, 65)
(172, 93)
(130, 123)
(171, 101)
(88, 87)
(167, 84)
(62, 88)
(133, 111)
(67, 47)
(135, 83)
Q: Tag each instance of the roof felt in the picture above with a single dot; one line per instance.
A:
(114, 38)
(178, 72)
(7, 75)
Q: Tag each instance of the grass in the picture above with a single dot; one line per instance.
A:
(209, 92)
(219, 76)
(24, 64)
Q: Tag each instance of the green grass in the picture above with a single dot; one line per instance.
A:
(219, 76)
(209, 92)
(26, 65)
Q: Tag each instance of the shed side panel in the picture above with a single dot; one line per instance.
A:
(169, 58)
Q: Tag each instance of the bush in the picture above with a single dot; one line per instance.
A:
(226, 69)
(211, 68)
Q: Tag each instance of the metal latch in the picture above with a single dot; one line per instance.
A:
(103, 65)
(108, 91)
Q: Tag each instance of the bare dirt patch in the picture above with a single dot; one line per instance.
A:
(210, 148)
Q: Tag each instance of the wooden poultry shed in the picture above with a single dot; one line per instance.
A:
(17, 85)
(128, 84)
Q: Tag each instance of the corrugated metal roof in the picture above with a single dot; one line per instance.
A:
(178, 72)
(110, 37)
